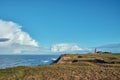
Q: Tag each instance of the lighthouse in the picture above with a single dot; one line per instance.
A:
(95, 51)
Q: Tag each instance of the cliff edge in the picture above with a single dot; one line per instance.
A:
(69, 67)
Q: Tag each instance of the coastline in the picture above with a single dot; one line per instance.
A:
(69, 67)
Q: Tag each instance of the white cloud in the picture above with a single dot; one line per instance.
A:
(18, 40)
(14, 40)
(65, 47)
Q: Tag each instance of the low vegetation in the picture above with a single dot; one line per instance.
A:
(69, 67)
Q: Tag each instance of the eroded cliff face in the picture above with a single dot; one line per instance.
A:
(64, 59)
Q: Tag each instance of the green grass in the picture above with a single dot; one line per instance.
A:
(84, 69)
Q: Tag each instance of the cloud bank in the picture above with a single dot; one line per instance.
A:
(13, 39)
(115, 45)
(65, 47)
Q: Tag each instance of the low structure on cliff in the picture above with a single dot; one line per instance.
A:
(101, 52)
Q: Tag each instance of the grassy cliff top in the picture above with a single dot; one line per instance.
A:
(69, 67)
(90, 58)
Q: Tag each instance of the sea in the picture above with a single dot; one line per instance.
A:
(7, 61)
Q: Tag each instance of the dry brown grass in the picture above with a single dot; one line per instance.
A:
(68, 71)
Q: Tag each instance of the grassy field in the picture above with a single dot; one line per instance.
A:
(69, 67)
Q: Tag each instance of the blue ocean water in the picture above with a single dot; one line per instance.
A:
(26, 60)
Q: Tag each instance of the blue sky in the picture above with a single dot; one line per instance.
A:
(87, 23)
